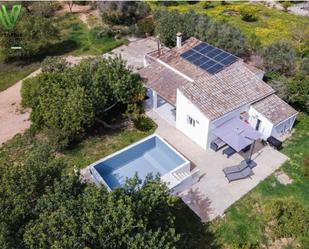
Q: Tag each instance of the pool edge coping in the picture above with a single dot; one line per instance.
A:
(101, 179)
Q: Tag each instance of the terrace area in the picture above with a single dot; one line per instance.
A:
(212, 194)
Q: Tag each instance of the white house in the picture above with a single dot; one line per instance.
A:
(197, 88)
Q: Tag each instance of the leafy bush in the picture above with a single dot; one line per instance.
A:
(29, 91)
(304, 66)
(123, 13)
(143, 123)
(280, 57)
(248, 14)
(298, 89)
(288, 218)
(46, 9)
(286, 5)
(54, 64)
(145, 27)
(208, 5)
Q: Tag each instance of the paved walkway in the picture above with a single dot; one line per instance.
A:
(212, 195)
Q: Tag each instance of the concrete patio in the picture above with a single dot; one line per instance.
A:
(212, 194)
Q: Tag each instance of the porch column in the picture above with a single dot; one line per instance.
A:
(154, 100)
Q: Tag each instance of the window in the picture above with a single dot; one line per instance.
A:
(191, 121)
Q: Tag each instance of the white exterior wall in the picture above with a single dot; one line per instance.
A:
(266, 126)
(283, 127)
(198, 133)
(215, 123)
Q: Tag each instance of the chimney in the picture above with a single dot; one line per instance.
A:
(159, 45)
(179, 40)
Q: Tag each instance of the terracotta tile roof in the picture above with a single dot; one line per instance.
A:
(215, 95)
(254, 69)
(219, 94)
(274, 109)
(163, 80)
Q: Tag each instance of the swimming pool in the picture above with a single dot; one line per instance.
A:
(151, 155)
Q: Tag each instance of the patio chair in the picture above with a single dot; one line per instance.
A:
(247, 172)
(229, 151)
(275, 142)
(217, 144)
(236, 168)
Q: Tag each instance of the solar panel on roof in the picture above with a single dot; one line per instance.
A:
(200, 47)
(229, 60)
(209, 58)
(187, 54)
(216, 68)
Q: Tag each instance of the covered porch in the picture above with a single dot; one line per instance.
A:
(212, 194)
(154, 102)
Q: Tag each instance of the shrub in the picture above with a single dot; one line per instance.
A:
(280, 57)
(123, 13)
(304, 66)
(145, 27)
(248, 14)
(29, 91)
(286, 5)
(54, 64)
(208, 5)
(143, 123)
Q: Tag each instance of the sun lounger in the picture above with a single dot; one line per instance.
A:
(247, 172)
(236, 168)
(250, 163)
(229, 151)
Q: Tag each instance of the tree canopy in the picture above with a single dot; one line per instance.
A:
(68, 101)
(33, 32)
(280, 57)
(123, 12)
(222, 35)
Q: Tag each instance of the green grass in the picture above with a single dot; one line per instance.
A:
(81, 39)
(75, 39)
(10, 73)
(244, 221)
(95, 147)
(92, 148)
(272, 25)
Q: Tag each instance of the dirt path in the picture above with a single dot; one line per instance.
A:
(12, 120)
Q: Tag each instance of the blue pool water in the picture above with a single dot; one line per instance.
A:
(149, 156)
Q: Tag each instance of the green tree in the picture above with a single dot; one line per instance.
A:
(168, 23)
(33, 32)
(22, 183)
(123, 13)
(68, 101)
(280, 57)
(298, 89)
(222, 35)
(72, 215)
